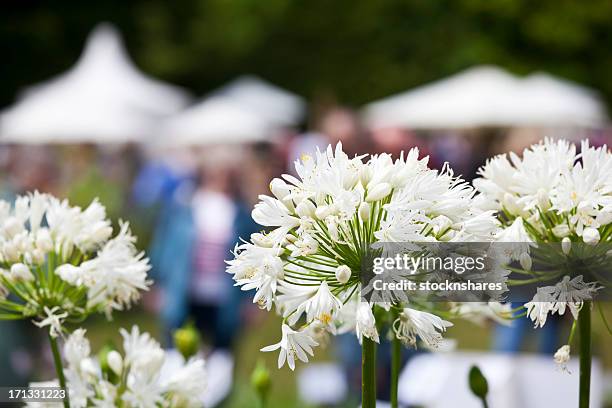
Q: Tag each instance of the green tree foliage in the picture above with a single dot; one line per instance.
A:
(356, 50)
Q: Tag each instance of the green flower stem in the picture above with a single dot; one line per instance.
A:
(59, 368)
(368, 374)
(584, 328)
(396, 361)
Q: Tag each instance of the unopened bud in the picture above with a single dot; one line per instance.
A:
(20, 272)
(343, 274)
(187, 340)
(566, 245)
(364, 211)
(305, 209)
(590, 236)
(378, 192)
(525, 261)
(279, 188)
(115, 362)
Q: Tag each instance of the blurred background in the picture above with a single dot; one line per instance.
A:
(177, 115)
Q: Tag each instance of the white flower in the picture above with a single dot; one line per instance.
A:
(76, 348)
(516, 240)
(479, 312)
(323, 305)
(117, 275)
(142, 352)
(365, 323)
(293, 344)
(54, 320)
(555, 299)
(107, 394)
(142, 392)
(562, 357)
(187, 384)
(322, 223)
(140, 375)
(272, 213)
(413, 323)
(41, 232)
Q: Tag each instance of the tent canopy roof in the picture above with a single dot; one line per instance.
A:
(269, 101)
(489, 96)
(103, 98)
(216, 120)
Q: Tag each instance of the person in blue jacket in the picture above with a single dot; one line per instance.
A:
(196, 232)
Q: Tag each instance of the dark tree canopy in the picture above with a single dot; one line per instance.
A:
(353, 50)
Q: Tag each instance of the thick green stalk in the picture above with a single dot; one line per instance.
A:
(368, 374)
(59, 368)
(396, 360)
(584, 328)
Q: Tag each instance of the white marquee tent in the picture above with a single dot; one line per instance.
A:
(103, 99)
(215, 120)
(490, 96)
(269, 101)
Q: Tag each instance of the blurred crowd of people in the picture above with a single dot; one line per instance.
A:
(190, 205)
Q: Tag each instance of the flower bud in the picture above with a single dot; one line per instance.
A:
(69, 273)
(343, 274)
(187, 340)
(43, 240)
(20, 272)
(260, 380)
(273, 266)
(88, 367)
(525, 261)
(38, 256)
(115, 362)
(510, 204)
(566, 245)
(378, 192)
(562, 356)
(305, 209)
(364, 211)
(332, 228)
(323, 211)
(365, 175)
(11, 251)
(543, 200)
(605, 216)
(561, 230)
(590, 236)
(12, 226)
(261, 240)
(279, 188)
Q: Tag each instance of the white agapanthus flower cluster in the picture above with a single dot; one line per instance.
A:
(60, 263)
(134, 379)
(552, 194)
(557, 192)
(320, 225)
